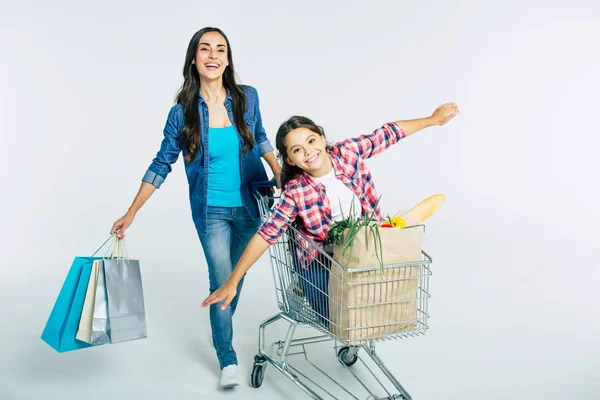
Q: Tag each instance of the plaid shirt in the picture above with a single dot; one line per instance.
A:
(304, 200)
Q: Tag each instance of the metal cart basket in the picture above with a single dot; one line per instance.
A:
(353, 308)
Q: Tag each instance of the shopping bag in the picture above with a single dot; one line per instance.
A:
(119, 312)
(369, 305)
(100, 323)
(397, 246)
(84, 333)
(125, 299)
(62, 325)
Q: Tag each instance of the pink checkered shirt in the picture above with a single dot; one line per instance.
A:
(304, 200)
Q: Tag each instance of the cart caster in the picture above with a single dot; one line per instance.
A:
(345, 358)
(258, 371)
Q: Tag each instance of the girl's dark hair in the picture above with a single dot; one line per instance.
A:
(289, 172)
(190, 91)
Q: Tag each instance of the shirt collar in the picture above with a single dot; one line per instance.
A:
(337, 169)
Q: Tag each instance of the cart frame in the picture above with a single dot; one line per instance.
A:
(297, 311)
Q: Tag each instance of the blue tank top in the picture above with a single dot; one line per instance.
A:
(224, 179)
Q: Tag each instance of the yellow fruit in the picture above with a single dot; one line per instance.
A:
(398, 222)
(426, 208)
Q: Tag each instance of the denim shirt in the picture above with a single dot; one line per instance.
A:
(251, 166)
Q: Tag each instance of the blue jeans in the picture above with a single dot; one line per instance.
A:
(229, 231)
(314, 281)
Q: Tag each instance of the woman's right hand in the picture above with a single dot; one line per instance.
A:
(121, 225)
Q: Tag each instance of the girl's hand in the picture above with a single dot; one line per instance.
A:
(225, 293)
(444, 113)
(121, 225)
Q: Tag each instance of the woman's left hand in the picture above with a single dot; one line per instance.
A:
(225, 293)
(277, 178)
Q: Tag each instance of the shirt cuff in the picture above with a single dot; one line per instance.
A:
(266, 237)
(153, 178)
(399, 131)
(265, 147)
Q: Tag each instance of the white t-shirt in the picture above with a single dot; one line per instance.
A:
(340, 196)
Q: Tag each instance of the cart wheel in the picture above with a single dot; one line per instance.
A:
(344, 358)
(258, 373)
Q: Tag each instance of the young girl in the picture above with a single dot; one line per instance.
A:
(320, 183)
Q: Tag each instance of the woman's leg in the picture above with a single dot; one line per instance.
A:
(243, 228)
(217, 246)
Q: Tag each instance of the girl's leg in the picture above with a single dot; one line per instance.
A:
(315, 284)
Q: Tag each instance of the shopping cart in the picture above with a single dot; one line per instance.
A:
(353, 308)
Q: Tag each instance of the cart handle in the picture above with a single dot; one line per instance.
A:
(263, 184)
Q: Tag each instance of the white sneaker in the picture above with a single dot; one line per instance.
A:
(228, 377)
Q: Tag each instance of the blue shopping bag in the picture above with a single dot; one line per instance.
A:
(61, 329)
(62, 325)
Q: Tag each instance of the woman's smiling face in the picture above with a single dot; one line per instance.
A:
(212, 55)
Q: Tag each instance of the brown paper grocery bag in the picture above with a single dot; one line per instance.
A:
(367, 306)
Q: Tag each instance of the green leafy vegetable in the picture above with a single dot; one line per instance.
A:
(350, 226)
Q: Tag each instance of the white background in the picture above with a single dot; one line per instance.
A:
(85, 88)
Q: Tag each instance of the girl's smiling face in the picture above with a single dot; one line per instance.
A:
(308, 151)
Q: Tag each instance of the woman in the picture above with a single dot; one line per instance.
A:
(216, 124)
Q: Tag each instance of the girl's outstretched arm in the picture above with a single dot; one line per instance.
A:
(280, 219)
(256, 247)
(440, 116)
(366, 146)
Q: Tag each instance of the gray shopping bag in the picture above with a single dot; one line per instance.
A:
(125, 299)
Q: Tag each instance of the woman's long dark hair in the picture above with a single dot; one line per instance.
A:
(289, 172)
(190, 91)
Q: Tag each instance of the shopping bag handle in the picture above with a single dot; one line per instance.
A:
(110, 253)
(103, 244)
